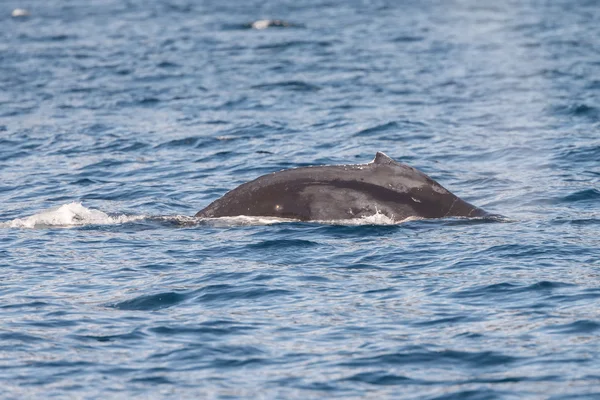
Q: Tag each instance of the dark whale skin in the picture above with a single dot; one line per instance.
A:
(338, 192)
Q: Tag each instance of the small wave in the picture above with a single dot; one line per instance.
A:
(192, 142)
(152, 302)
(578, 110)
(580, 154)
(581, 327)
(67, 215)
(392, 127)
(379, 378)
(581, 196)
(591, 195)
(423, 356)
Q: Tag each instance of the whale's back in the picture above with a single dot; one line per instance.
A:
(342, 192)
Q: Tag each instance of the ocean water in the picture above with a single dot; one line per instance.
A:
(119, 120)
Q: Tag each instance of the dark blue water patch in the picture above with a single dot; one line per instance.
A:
(488, 290)
(397, 128)
(514, 379)
(591, 394)
(47, 38)
(230, 358)
(84, 182)
(585, 296)
(135, 335)
(14, 155)
(221, 294)
(296, 44)
(580, 154)
(513, 154)
(134, 226)
(7, 144)
(390, 290)
(421, 356)
(494, 181)
(97, 129)
(447, 321)
(131, 193)
(358, 266)
(105, 164)
(59, 364)
(592, 173)
(33, 304)
(146, 101)
(577, 111)
(152, 302)
(313, 278)
(461, 221)
(294, 86)
(408, 39)
(229, 362)
(264, 278)
(216, 328)
(13, 337)
(122, 146)
(167, 64)
(581, 196)
(470, 335)
(283, 244)
(158, 266)
(581, 327)
(505, 289)
(202, 352)
(380, 378)
(152, 380)
(255, 130)
(55, 323)
(581, 221)
(515, 251)
(478, 394)
(319, 387)
(362, 231)
(220, 156)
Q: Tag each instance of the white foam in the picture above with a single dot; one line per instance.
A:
(261, 24)
(67, 215)
(376, 219)
(244, 220)
(75, 214)
(20, 12)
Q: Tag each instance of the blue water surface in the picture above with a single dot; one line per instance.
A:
(119, 120)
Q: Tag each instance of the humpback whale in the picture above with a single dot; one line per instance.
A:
(338, 192)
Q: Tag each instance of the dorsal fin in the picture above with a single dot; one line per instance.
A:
(381, 158)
